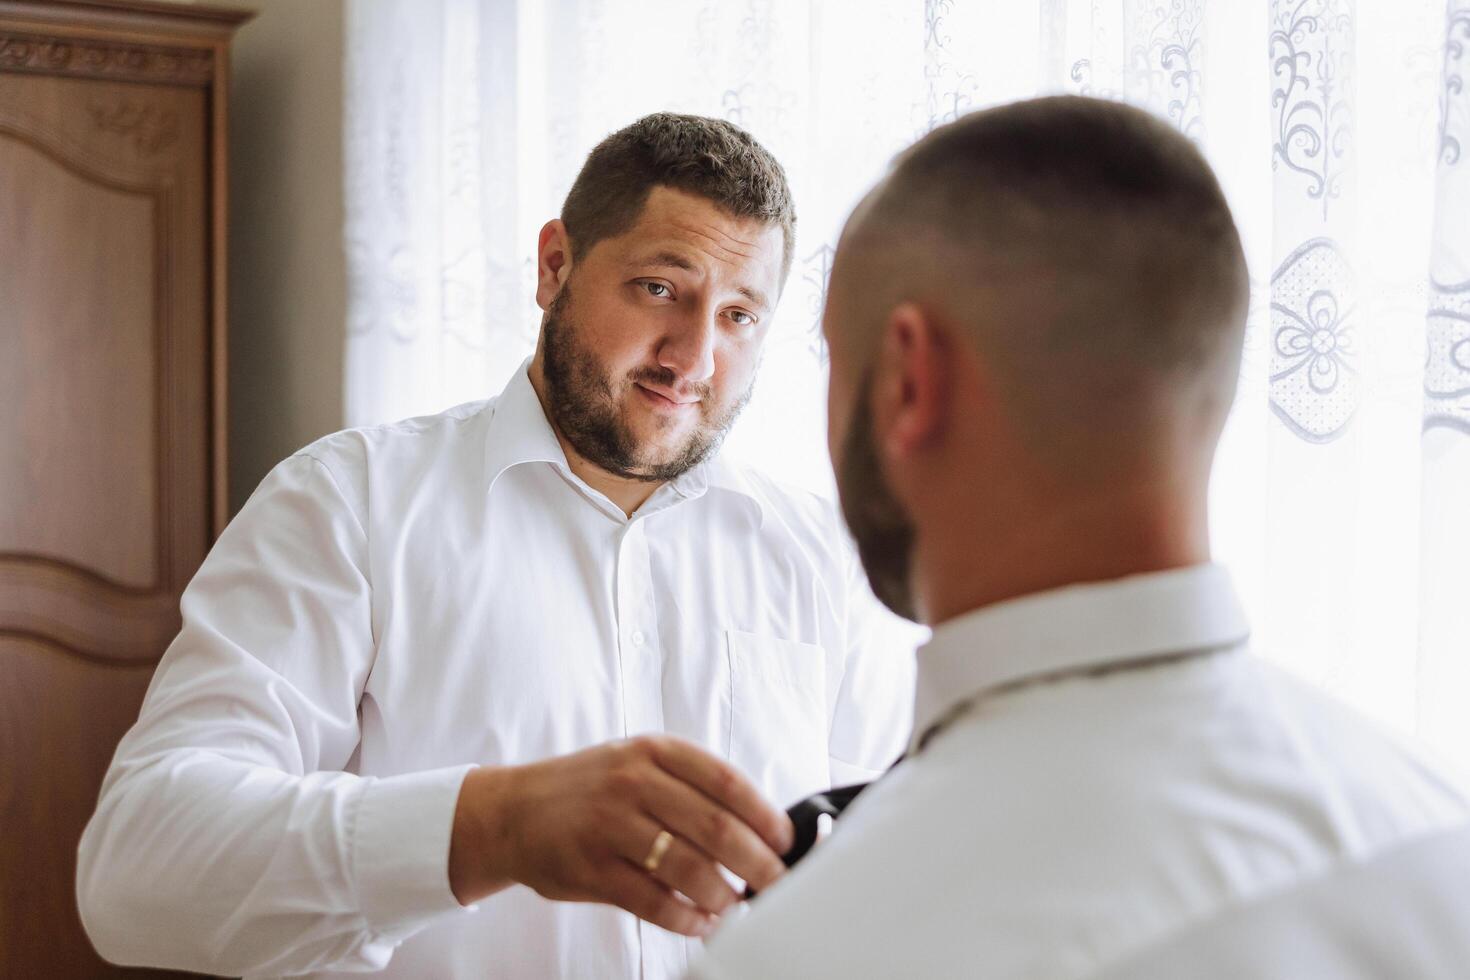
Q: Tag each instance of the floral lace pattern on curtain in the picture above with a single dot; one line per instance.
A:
(1340, 130)
(1447, 373)
(1314, 381)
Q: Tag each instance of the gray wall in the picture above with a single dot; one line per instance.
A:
(288, 282)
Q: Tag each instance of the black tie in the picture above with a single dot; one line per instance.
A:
(806, 815)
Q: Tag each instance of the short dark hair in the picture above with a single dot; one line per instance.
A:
(1110, 239)
(1123, 206)
(709, 157)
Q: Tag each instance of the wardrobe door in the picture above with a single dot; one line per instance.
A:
(108, 407)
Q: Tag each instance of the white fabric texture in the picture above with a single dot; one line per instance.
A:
(1340, 130)
(399, 603)
(1130, 793)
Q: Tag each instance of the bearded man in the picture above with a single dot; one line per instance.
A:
(547, 656)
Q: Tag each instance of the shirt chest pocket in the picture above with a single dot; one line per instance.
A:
(778, 714)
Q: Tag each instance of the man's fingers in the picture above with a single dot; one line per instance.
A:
(693, 873)
(717, 832)
(632, 889)
(727, 787)
(682, 867)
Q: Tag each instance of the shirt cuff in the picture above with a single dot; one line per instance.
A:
(400, 849)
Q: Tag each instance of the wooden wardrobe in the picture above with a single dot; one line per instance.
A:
(112, 409)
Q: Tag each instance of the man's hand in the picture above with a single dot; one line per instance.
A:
(578, 828)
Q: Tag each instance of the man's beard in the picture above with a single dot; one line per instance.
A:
(588, 414)
(880, 526)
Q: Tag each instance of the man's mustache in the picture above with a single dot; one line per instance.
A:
(662, 377)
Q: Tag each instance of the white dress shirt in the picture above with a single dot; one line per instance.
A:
(397, 604)
(1200, 816)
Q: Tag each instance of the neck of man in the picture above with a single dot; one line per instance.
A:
(972, 557)
(627, 493)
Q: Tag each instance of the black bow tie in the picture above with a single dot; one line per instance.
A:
(806, 815)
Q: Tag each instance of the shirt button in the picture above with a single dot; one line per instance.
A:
(637, 637)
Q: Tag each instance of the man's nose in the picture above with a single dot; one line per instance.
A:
(689, 348)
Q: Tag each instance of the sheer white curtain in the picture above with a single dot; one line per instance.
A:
(1340, 129)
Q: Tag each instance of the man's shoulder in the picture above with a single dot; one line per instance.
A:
(352, 454)
(358, 444)
(802, 502)
(1389, 783)
(800, 511)
(1403, 907)
(1052, 830)
(364, 461)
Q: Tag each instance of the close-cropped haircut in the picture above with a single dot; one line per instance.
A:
(1116, 211)
(711, 158)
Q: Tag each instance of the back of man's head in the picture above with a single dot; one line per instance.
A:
(1086, 249)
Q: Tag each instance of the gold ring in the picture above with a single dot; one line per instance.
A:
(657, 851)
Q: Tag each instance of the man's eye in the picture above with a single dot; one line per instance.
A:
(657, 289)
(742, 318)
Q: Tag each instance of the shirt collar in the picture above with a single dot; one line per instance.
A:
(724, 476)
(1078, 627)
(519, 432)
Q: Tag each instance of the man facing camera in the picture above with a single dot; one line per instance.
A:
(1035, 325)
(548, 656)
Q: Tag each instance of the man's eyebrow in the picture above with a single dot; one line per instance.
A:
(671, 259)
(755, 296)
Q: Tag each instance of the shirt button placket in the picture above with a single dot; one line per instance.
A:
(661, 954)
(642, 669)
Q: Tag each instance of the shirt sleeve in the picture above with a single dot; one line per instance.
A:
(227, 838)
(874, 711)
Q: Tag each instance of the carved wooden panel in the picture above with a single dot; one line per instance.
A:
(103, 456)
(101, 59)
(111, 410)
(97, 347)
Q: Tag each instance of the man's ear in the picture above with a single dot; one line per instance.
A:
(553, 261)
(911, 393)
